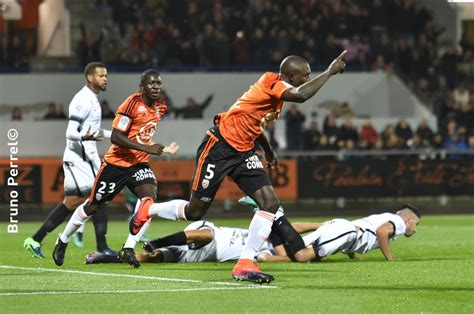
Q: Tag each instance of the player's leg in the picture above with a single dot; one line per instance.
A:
(253, 180)
(56, 217)
(109, 182)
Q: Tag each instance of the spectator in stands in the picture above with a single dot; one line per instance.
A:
(403, 130)
(60, 113)
(294, 121)
(416, 142)
(107, 113)
(311, 136)
(368, 135)
(348, 131)
(448, 65)
(425, 132)
(470, 142)
(192, 109)
(16, 114)
(52, 113)
(345, 111)
(465, 117)
(454, 142)
(395, 142)
(438, 141)
(461, 95)
(270, 133)
(324, 143)
(330, 128)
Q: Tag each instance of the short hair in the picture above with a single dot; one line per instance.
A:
(412, 208)
(147, 73)
(90, 68)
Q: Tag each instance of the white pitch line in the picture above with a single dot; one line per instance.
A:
(127, 291)
(131, 276)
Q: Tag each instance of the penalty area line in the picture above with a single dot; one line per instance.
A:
(90, 273)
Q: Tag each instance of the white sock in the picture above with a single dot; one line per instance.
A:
(259, 230)
(81, 228)
(132, 240)
(75, 222)
(172, 210)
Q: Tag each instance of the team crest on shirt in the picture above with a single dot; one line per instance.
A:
(145, 135)
(98, 196)
(205, 183)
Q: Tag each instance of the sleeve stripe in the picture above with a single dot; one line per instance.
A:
(130, 106)
(394, 228)
(76, 118)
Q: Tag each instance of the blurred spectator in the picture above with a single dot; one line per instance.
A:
(60, 113)
(311, 136)
(454, 142)
(416, 142)
(324, 143)
(107, 113)
(395, 142)
(470, 142)
(270, 133)
(461, 95)
(344, 111)
(438, 141)
(192, 109)
(348, 131)
(294, 121)
(330, 128)
(52, 112)
(16, 114)
(425, 132)
(465, 117)
(403, 130)
(368, 135)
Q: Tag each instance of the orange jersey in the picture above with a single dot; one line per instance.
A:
(139, 122)
(243, 123)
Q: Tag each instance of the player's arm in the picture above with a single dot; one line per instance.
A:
(121, 139)
(200, 236)
(302, 227)
(308, 89)
(279, 255)
(383, 235)
(72, 133)
(270, 155)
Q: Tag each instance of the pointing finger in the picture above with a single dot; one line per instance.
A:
(341, 56)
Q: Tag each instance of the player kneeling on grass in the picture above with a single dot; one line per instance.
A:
(341, 235)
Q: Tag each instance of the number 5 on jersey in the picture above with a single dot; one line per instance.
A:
(209, 175)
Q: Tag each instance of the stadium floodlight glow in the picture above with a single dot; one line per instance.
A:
(461, 1)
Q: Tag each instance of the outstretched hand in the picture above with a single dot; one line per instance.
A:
(171, 148)
(92, 136)
(338, 65)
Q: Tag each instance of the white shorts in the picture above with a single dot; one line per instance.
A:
(79, 177)
(332, 237)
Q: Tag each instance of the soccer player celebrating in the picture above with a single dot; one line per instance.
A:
(126, 161)
(81, 160)
(228, 149)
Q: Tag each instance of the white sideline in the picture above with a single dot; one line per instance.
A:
(230, 284)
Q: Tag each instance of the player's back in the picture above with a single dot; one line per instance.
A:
(85, 109)
(243, 123)
(367, 237)
(138, 121)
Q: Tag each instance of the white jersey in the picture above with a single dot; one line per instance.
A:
(367, 238)
(84, 112)
(227, 245)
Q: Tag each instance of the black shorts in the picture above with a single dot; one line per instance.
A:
(111, 179)
(217, 159)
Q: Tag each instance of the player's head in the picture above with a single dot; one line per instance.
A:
(295, 70)
(96, 76)
(151, 84)
(411, 215)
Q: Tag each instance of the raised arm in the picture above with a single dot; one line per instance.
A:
(383, 235)
(302, 227)
(308, 89)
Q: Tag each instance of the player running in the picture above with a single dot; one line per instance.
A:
(81, 160)
(126, 161)
(228, 149)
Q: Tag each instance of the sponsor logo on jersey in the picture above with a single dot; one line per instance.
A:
(141, 109)
(254, 162)
(206, 199)
(143, 174)
(145, 135)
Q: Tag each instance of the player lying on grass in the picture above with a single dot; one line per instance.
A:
(341, 235)
(201, 241)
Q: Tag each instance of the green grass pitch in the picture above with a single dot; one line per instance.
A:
(434, 272)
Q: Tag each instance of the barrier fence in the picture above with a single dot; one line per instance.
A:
(40, 180)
